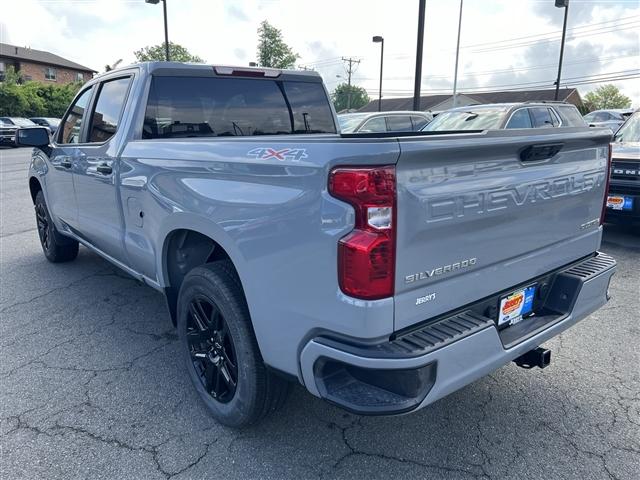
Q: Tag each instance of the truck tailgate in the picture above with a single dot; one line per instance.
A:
(481, 213)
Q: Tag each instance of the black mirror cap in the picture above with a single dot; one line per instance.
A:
(32, 137)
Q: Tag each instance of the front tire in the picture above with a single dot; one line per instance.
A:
(56, 247)
(220, 349)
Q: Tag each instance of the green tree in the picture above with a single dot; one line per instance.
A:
(57, 97)
(177, 53)
(272, 51)
(606, 96)
(342, 100)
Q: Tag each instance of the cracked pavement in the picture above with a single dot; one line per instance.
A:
(92, 386)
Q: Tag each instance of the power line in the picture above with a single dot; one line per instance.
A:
(581, 80)
(508, 43)
(350, 69)
(580, 60)
(555, 32)
(581, 31)
(591, 33)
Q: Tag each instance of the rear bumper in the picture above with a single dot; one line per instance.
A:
(421, 366)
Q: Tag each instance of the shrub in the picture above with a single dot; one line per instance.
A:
(20, 98)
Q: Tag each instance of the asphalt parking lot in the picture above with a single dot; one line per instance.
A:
(91, 386)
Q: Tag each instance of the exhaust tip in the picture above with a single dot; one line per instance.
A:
(539, 357)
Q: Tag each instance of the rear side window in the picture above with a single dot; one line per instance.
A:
(72, 123)
(542, 117)
(221, 107)
(418, 123)
(570, 116)
(399, 123)
(374, 125)
(520, 119)
(104, 121)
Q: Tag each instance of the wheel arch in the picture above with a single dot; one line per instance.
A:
(185, 248)
(34, 187)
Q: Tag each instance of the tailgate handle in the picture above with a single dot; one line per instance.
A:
(536, 153)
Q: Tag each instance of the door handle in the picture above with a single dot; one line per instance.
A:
(104, 169)
(66, 163)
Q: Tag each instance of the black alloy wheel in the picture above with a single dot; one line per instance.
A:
(212, 349)
(56, 247)
(220, 348)
(44, 227)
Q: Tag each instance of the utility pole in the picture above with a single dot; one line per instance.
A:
(561, 4)
(418, 77)
(380, 39)
(350, 63)
(455, 75)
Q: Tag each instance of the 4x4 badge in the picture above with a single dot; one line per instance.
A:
(267, 153)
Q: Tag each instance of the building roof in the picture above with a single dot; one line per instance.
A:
(427, 102)
(40, 56)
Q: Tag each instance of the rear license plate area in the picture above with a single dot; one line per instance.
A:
(516, 306)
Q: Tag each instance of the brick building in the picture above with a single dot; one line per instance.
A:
(41, 66)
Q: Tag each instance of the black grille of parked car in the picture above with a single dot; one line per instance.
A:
(625, 170)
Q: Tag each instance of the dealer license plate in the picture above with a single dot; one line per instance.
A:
(515, 306)
(619, 202)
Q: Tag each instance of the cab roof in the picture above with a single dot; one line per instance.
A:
(209, 70)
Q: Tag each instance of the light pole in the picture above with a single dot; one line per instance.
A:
(418, 77)
(455, 75)
(166, 29)
(380, 40)
(561, 4)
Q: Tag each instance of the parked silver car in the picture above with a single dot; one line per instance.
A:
(612, 118)
(378, 122)
(9, 126)
(498, 116)
(7, 134)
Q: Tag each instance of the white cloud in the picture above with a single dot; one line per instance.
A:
(97, 32)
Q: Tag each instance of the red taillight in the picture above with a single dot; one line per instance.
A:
(606, 187)
(367, 255)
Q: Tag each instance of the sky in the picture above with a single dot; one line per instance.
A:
(505, 44)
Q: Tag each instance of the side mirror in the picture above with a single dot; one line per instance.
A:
(32, 137)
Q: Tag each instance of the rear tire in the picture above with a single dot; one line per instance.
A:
(56, 247)
(220, 349)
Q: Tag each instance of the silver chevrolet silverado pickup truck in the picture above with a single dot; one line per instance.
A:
(380, 271)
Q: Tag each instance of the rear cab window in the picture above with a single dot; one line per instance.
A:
(224, 107)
